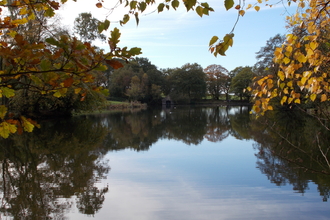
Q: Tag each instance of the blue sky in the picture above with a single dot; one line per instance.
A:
(173, 38)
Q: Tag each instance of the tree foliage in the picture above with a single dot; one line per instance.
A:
(216, 80)
(241, 81)
(188, 83)
(86, 27)
(265, 64)
(51, 65)
(137, 80)
(303, 60)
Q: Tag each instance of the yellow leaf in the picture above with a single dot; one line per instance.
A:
(249, 6)
(289, 84)
(313, 45)
(286, 60)
(303, 80)
(281, 75)
(256, 108)
(77, 90)
(6, 129)
(269, 107)
(301, 58)
(60, 92)
(297, 101)
(28, 126)
(283, 100)
(20, 21)
(3, 111)
(241, 13)
(257, 8)
(23, 11)
(3, 132)
(312, 97)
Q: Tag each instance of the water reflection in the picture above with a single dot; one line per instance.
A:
(61, 161)
(48, 172)
(294, 149)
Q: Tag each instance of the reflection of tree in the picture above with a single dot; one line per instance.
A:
(240, 123)
(218, 124)
(294, 150)
(91, 200)
(62, 160)
(186, 124)
(139, 130)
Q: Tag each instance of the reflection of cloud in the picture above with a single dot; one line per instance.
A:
(181, 200)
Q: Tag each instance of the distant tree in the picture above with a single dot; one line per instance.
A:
(134, 92)
(241, 81)
(120, 81)
(189, 82)
(216, 79)
(265, 64)
(151, 80)
(86, 27)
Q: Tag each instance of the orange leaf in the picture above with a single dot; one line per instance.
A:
(68, 82)
(114, 64)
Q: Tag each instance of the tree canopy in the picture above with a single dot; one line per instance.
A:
(303, 60)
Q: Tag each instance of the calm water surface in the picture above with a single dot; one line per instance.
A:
(183, 163)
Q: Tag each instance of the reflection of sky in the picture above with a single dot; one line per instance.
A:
(208, 181)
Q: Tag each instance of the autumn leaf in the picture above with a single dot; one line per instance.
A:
(3, 111)
(68, 82)
(7, 92)
(213, 40)
(27, 125)
(7, 128)
(114, 63)
(312, 97)
(324, 97)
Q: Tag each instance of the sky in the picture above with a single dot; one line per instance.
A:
(173, 38)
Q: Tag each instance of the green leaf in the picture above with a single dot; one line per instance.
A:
(160, 7)
(45, 65)
(114, 36)
(213, 40)
(190, 4)
(229, 4)
(52, 41)
(142, 6)
(49, 12)
(135, 51)
(7, 92)
(133, 5)
(175, 4)
(125, 19)
(205, 5)
(103, 25)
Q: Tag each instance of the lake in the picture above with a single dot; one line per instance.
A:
(180, 163)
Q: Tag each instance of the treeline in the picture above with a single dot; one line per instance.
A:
(140, 80)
